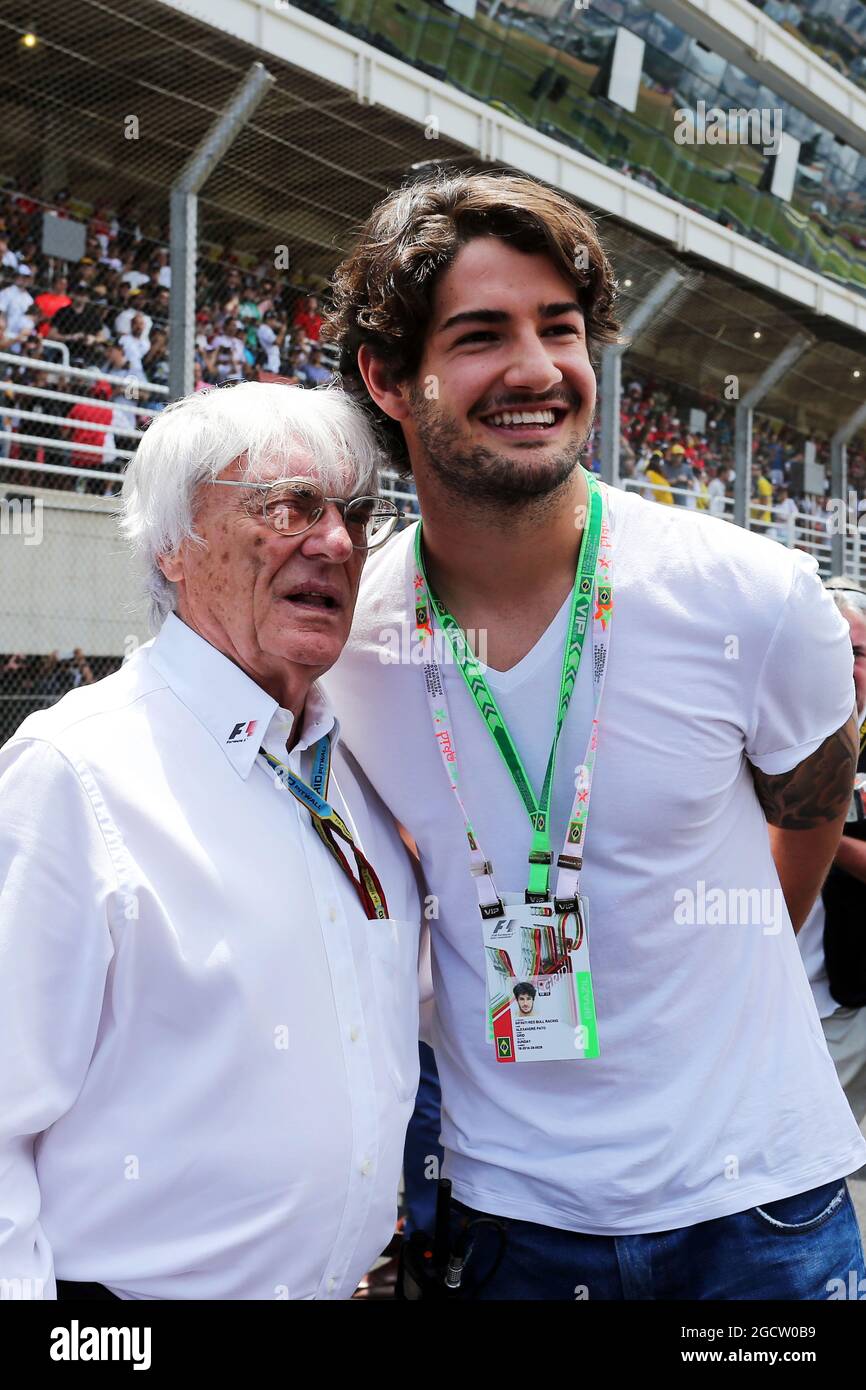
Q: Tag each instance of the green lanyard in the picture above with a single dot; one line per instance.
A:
(540, 854)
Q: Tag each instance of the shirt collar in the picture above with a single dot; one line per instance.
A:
(236, 712)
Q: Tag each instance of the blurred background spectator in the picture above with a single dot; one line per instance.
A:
(109, 313)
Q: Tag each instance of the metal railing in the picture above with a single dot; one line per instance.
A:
(103, 454)
(808, 531)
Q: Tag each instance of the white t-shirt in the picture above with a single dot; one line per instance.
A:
(810, 940)
(229, 354)
(14, 303)
(135, 350)
(714, 1090)
(268, 341)
(716, 489)
(123, 417)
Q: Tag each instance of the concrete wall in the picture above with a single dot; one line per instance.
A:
(66, 579)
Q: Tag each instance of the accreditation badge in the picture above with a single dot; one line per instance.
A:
(540, 1005)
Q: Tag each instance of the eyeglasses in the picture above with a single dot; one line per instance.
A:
(292, 506)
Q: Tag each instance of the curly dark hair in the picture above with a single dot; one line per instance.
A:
(382, 291)
(524, 988)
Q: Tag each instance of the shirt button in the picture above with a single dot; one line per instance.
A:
(355, 1032)
(332, 1284)
(366, 1167)
(332, 912)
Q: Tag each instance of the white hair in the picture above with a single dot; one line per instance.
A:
(193, 440)
(849, 596)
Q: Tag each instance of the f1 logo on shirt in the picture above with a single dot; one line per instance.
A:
(241, 732)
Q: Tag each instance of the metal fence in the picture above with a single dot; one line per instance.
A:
(71, 607)
(85, 335)
(807, 531)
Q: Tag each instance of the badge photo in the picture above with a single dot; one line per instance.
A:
(540, 1003)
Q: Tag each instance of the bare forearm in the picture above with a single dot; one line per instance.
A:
(803, 859)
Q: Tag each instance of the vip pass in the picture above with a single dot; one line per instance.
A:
(591, 605)
(329, 826)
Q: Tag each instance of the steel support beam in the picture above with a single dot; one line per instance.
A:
(839, 484)
(611, 370)
(184, 223)
(770, 377)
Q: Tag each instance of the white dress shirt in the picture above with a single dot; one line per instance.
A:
(209, 1053)
(135, 350)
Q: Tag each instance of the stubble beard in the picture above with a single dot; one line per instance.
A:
(484, 476)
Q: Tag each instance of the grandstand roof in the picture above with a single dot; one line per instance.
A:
(312, 163)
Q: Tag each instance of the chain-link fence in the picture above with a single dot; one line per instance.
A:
(101, 107)
(91, 140)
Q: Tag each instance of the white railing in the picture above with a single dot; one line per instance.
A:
(58, 347)
(125, 411)
(145, 388)
(390, 486)
(797, 530)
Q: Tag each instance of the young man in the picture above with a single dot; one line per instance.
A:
(693, 1124)
(524, 993)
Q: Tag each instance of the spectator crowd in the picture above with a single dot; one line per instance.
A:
(107, 314)
(30, 682)
(680, 448)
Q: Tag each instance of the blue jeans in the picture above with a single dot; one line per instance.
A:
(793, 1248)
(420, 1171)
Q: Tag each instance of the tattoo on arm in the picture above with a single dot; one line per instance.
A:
(818, 789)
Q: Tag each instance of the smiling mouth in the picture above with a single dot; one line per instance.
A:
(545, 420)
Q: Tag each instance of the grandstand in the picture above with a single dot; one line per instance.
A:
(742, 274)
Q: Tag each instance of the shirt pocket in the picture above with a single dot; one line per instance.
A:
(393, 946)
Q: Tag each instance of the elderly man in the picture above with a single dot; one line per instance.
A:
(209, 925)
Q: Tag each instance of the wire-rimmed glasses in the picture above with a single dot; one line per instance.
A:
(292, 506)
